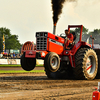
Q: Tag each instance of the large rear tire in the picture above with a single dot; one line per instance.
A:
(28, 64)
(86, 64)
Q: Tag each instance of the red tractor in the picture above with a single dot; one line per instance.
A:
(79, 62)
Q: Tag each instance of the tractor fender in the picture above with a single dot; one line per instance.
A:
(78, 46)
(71, 53)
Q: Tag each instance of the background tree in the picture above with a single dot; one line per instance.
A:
(85, 34)
(11, 41)
(96, 34)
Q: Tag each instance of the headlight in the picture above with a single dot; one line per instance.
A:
(43, 54)
(45, 34)
(37, 34)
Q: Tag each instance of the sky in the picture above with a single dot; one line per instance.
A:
(26, 17)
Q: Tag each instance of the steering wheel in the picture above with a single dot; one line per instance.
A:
(63, 35)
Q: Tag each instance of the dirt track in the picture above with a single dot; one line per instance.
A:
(39, 87)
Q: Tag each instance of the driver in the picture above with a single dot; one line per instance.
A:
(69, 39)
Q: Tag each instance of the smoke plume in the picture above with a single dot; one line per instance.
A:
(57, 6)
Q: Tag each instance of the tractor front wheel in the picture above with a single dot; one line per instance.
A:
(64, 72)
(52, 62)
(28, 64)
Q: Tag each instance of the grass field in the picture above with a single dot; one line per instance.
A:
(5, 65)
(21, 71)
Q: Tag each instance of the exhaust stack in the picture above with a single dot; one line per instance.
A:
(54, 28)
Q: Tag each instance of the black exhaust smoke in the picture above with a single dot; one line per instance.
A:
(57, 6)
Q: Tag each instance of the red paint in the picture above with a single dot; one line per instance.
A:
(89, 67)
(43, 54)
(96, 88)
(52, 36)
(96, 95)
(55, 48)
(30, 54)
(27, 46)
(92, 41)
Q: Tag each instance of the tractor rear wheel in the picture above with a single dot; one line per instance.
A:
(28, 64)
(86, 64)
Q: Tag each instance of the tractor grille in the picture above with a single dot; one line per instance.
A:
(41, 43)
(41, 40)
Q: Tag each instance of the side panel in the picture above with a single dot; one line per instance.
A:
(57, 38)
(53, 47)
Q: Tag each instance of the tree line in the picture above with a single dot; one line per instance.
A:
(11, 41)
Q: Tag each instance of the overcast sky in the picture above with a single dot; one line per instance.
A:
(25, 17)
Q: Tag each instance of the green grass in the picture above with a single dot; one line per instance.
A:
(21, 71)
(39, 65)
(5, 65)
